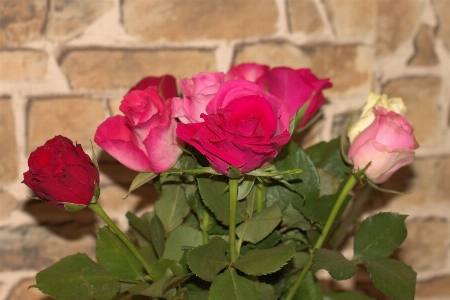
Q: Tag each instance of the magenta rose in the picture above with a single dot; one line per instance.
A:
(167, 85)
(62, 174)
(249, 71)
(144, 139)
(245, 127)
(197, 92)
(388, 143)
(295, 88)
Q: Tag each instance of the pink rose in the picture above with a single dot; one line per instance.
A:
(197, 92)
(388, 143)
(167, 85)
(295, 87)
(245, 128)
(144, 139)
(249, 71)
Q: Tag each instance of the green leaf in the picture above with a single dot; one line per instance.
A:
(347, 295)
(335, 263)
(172, 206)
(292, 218)
(157, 235)
(197, 295)
(158, 289)
(182, 237)
(261, 262)
(379, 236)
(245, 186)
(394, 278)
(214, 192)
(207, 260)
(159, 268)
(327, 156)
(265, 291)
(229, 285)
(309, 289)
(260, 225)
(140, 180)
(115, 257)
(77, 277)
(139, 225)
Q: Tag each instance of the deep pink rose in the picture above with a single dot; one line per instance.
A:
(167, 85)
(388, 143)
(295, 87)
(62, 174)
(144, 139)
(197, 92)
(249, 71)
(245, 127)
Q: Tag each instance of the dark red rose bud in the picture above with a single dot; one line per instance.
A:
(62, 174)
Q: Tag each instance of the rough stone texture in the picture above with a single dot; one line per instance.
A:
(8, 157)
(424, 54)
(75, 118)
(36, 248)
(304, 17)
(353, 20)
(395, 24)
(420, 96)
(69, 18)
(23, 64)
(442, 8)
(117, 69)
(21, 21)
(7, 204)
(22, 292)
(425, 248)
(439, 287)
(181, 20)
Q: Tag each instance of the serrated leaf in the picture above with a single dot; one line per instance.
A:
(158, 269)
(347, 295)
(379, 236)
(229, 285)
(158, 289)
(77, 277)
(172, 206)
(265, 291)
(335, 263)
(260, 224)
(394, 278)
(115, 257)
(309, 289)
(197, 295)
(327, 155)
(140, 180)
(261, 262)
(245, 186)
(139, 225)
(157, 235)
(207, 260)
(292, 218)
(182, 237)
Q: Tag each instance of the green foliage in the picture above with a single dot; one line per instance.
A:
(183, 237)
(335, 263)
(229, 285)
(347, 295)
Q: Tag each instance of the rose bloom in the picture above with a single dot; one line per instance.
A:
(388, 143)
(249, 71)
(197, 92)
(166, 84)
(144, 139)
(245, 127)
(62, 174)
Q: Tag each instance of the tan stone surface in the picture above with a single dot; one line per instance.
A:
(425, 248)
(442, 8)
(424, 54)
(117, 69)
(187, 20)
(22, 292)
(7, 204)
(304, 17)
(439, 287)
(22, 64)
(396, 23)
(21, 21)
(114, 105)
(353, 19)
(29, 248)
(112, 198)
(420, 96)
(69, 18)
(8, 148)
(74, 118)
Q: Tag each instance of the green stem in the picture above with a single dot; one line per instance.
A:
(233, 189)
(102, 214)
(259, 195)
(205, 225)
(326, 229)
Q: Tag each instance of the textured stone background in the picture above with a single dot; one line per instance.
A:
(65, 64)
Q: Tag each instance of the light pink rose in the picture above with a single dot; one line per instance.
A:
(295, 87)
(197, 92)
(245, 127)
(249, 71)
(388, 143)
(144, 139)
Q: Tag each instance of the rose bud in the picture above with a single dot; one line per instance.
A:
(249, 71)
(387, 144)
(62, 174)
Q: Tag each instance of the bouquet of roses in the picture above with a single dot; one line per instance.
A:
(244, 212)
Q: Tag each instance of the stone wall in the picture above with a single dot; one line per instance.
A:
(64, 66)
